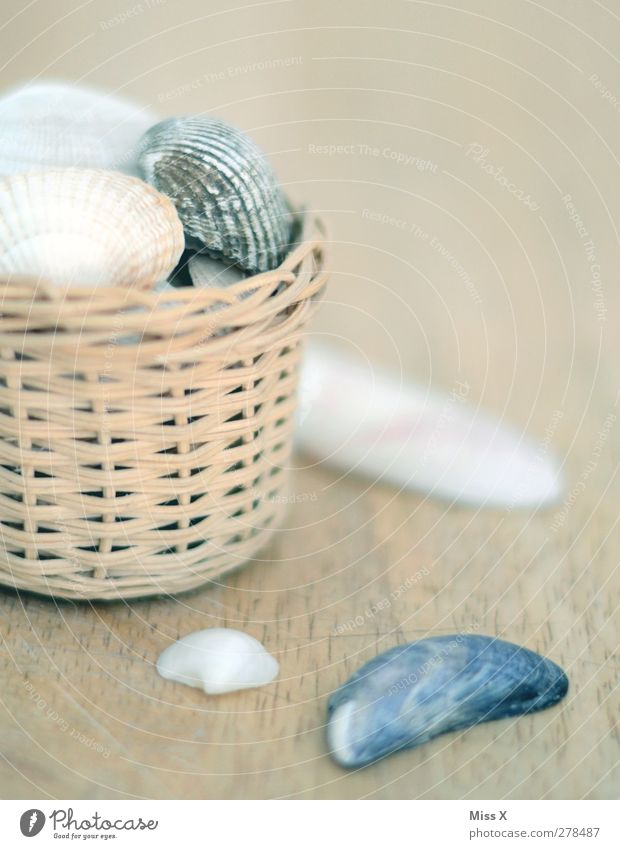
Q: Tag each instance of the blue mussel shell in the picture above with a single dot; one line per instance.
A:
(412, 693)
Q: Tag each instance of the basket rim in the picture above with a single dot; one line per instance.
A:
(39, 309)
(17, 287)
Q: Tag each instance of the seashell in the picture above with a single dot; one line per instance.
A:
(206, 271)
(413, 693)
(218, 660)
(223, 188)
(73, 225)
(363, 420)
(57, 125)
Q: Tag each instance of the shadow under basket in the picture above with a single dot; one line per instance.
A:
(145, 437)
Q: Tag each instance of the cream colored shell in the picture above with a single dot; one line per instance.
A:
(87, 228)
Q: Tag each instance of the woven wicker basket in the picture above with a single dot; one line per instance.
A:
(144, 437)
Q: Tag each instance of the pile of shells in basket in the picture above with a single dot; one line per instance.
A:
(94, 190)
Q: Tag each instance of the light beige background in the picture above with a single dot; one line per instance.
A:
(438, 270)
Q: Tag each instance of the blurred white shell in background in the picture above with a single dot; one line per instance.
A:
(57, 125)
(218, 660)
(361, 420)
(86, 227)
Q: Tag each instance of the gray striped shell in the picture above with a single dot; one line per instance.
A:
(224, 190)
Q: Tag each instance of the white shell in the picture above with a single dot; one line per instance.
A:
(88, 228)
(218, 660)
(57, 125)
(206, 271)
(360, 420)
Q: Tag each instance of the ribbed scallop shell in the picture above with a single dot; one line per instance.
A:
(224, 190)
(86, 227)
(57, 125)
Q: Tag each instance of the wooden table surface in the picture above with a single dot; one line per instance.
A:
(396, 123)
(357, 570)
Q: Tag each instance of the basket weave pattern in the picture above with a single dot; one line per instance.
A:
(144, 437)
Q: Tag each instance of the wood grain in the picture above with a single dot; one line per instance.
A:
(361, 567)
(335, 589)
